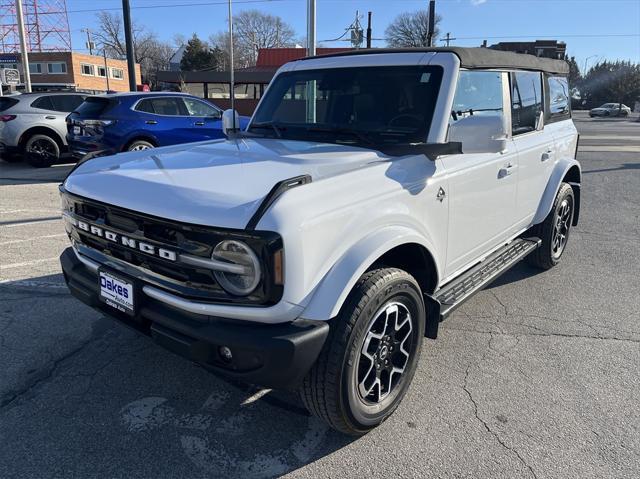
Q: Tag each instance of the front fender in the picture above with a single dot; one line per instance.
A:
(327, 298)
(560, 170)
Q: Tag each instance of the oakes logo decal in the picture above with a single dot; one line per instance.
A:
(123, 240)
(114, 287)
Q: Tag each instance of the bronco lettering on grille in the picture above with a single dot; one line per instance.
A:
(123, 240)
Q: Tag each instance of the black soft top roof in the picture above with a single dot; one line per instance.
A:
(475, 58)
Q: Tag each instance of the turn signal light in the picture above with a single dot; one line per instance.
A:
(7, 117)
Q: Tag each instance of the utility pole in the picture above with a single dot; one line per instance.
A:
(89, 42)
(231, 76)
(369, 30)
(24, 54)
(432, 22)
(128, 38)
(106, 67)
(448, 38)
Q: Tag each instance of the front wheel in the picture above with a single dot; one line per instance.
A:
(140, 145)
(554, 230)
(371, 354)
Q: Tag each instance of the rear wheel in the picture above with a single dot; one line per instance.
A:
(139, 145)
(554, 230)
(41, 151)
(371, 354)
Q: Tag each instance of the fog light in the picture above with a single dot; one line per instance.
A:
(225, 353)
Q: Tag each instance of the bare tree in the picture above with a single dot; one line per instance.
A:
(410, 30)
(151, 53)
(254, 30)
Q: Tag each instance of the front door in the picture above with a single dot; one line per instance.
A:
(482, 186)
(206, 120)
(534, 143)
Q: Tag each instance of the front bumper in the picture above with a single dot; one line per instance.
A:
(271, 355)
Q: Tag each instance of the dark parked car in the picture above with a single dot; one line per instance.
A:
(118, 122)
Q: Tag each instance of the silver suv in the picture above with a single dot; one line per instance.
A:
(32, 126)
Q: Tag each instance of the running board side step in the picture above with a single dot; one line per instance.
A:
(445, 300)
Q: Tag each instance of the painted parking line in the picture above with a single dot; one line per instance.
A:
(613, 148)
(28, 221)
(29, 263)
(4, 243)
(610, 137)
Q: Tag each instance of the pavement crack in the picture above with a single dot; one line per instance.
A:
(465, 388)
(45, 374)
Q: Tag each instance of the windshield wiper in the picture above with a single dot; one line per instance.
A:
(268, 125)
(363, 137)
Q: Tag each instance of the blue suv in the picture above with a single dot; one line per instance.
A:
(112, 123)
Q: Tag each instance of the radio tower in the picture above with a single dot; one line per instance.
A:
(46, 24)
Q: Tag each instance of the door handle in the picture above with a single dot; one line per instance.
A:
(199, 123)
(50, 117)
(506, 170)
(546, 155)
(151, 122)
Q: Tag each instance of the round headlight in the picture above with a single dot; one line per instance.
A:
(237, 253)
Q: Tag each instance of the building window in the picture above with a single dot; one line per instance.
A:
(35, 68)
(117, 73)
(102, 71)
(57, 67)
(87, 69)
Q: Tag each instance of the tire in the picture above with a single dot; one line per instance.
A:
(41, 151)
(344, 386)
(139, 145)
(554, 230)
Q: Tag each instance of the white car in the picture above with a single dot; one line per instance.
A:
(372, 193)
(610, 109)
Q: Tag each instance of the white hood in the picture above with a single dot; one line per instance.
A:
(219, 183)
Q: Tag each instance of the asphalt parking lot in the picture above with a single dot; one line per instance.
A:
(537, 376)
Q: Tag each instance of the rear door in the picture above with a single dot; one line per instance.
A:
(206, 120)
(534, 143)
(482, 186)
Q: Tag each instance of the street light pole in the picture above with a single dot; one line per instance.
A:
(584, 72)
(24, 54)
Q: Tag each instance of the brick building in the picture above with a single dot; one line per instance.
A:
(540, 48)
(72, 71)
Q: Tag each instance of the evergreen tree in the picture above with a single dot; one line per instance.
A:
(199, 56)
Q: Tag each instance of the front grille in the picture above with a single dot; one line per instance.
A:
(185, 280)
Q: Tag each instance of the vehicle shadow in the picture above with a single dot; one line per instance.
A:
(520, 271)
(141, 395)
(626, 166)
(21, 173)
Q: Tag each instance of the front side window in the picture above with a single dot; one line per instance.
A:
(66, 103)
(200, 108)
(558, 98)
(57, 67)
(526, 101)
(376, 105)
(478, 93)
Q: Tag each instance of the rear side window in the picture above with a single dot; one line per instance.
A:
(526, 101)
(94, 107)
(44, 103)
(66, 103)
(167, 106)
(145, 106)
(558, 100)
(6, 103)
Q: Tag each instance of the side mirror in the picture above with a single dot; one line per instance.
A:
(230, 121)
(480, 134)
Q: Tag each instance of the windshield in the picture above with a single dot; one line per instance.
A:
(365, 105)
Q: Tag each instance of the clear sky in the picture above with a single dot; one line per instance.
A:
(592, 29)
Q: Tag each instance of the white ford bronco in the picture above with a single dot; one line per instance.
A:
(371, 194)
